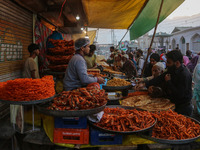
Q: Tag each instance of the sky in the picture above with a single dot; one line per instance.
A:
(187, 8)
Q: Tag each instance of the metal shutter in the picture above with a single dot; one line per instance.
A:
(16, 33)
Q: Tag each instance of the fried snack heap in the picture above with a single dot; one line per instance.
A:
(119, 119)
(60, 55)
(173, 126)
(26, 89)
(81, 98)
(118, 82)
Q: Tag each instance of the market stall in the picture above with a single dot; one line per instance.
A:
(67, 116)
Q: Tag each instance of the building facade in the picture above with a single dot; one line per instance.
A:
(185, 39)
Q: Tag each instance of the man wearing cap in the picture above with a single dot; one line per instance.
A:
(128, 67)
(76, 73)
(30, 67)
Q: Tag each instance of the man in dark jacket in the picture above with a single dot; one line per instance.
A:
(177, 82)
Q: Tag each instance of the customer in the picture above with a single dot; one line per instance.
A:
(154, 58)
(76, 73)
(193, 62)
(189, 54)
(128, 67)
(157, 70)
(91, 58)
(140, 61)
(30, 67)
(178, 83)
(196, 91)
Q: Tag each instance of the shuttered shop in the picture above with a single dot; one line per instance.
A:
(15, 36)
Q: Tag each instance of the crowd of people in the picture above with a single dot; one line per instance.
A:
(171, 72)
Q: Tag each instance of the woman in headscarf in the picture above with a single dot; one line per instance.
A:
(185, 60)
(154, 58)
(193, 62)
(196, 91)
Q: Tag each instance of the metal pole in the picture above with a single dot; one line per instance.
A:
(149, 49)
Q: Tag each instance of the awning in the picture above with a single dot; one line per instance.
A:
(147, 18)
(112, 14)
(91, 35)
(109, 14)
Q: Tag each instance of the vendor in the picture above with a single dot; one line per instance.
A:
(76, 73)
(178, 83)
(91, 58)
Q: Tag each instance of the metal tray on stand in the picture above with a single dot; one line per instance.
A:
(68, 113)
(32, 102)
(121, 132)
(173, 142)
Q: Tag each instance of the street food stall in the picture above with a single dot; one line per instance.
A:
(81, 118)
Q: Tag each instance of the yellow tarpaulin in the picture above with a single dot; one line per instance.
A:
(112, 14)
(91, 35)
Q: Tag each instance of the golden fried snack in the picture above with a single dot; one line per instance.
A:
(118, 82)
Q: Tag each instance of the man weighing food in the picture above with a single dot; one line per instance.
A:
(76, 73)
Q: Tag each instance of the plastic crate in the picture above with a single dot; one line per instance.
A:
(71, 136)
(102, 138)
(70, 122)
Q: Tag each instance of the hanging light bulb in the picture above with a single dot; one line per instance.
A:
(77, 17)
(84, 31)
(82, 28)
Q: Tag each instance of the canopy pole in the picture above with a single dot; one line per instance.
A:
(122, 38)
(149, 49)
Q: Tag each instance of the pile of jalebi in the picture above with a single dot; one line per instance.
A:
(173, 126)
(119, 119)
(59, 59)
(60, 55)
(25, 89)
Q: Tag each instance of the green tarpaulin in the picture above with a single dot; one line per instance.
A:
(147, 19)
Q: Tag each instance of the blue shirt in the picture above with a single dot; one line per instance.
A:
(76, 74)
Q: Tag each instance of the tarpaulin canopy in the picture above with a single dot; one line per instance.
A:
(147, 18)
(112, 14)
(91, 35)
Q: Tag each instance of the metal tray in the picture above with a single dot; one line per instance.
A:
(68, 113)
(32, 102)
(116, 88)
(121, 132)
(175, 142)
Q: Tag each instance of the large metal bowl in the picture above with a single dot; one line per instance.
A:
(116, 88)
(121, 132)
(174, 142)
(32, 102)
(68, 113)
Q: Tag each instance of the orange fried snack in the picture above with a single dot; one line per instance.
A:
(173, 126)
(25, 89)
(120, 119)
